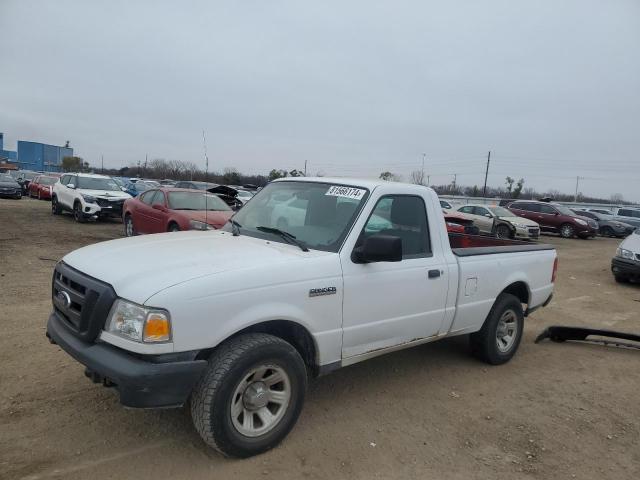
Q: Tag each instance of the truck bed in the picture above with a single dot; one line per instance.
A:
(464, 245)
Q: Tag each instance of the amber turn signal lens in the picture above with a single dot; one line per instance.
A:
(156, 328)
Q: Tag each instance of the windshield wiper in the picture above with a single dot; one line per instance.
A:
(286, 235)
(235, 227)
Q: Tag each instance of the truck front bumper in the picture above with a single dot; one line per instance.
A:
(143, 381)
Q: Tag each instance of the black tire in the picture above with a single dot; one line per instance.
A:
(129, 229)
(484, 344)
(621, 279)
(78, 215)
(607, 231)
(229, 365)
(503, 231)
(567, 230)
(55, 206)
(173, 227)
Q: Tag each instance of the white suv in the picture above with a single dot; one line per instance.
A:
(87, 196)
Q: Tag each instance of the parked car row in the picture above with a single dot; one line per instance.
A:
(526, 219)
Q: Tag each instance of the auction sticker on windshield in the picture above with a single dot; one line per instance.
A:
(346, 192)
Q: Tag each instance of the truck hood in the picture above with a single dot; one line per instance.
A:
(140, 267)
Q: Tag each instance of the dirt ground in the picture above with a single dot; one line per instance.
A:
(556, 411)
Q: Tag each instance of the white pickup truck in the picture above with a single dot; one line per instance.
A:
(233, 322)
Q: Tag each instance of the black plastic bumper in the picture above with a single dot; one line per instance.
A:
(625, 268)
(142, 383)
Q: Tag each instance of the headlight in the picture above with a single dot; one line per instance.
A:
(622, 253)
(579, 221)
(520, 225)
(196, 225)
(89, 198)
(138, 323)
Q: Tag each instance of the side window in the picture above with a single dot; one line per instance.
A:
(547, 209)
(519, 206)
(403, 216)
(533, 207)
(158, 198)
(466, 210)
(480, 211)
(65, 179)
(147, 197)
(73, 179)
(623, 212)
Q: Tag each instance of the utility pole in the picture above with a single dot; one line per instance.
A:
(422, 175)
(455, 177)
(305, 168)
(486, 174)
(102, 162)
(575, 198)
(428, 178)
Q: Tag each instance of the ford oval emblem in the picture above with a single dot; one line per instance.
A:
(64, 298)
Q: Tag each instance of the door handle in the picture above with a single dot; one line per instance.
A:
(434, 273)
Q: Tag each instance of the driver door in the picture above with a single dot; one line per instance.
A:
(391, 303)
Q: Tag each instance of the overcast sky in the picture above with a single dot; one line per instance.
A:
(353, 87)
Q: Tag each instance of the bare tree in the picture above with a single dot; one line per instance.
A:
(617, 198)
(417, 177)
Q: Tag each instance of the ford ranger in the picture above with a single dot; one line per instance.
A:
(313, 274)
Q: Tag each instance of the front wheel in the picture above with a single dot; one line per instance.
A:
(250, 396)
(567, 231)
(499, 338)
(503, 231)
(129, 230)
(174, 227)
(78, 216)
(608, 232)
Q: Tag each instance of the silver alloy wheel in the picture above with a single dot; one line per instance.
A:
(503, 231)
(128, 226)
(260, 400)
(567, 231)
(507, 331)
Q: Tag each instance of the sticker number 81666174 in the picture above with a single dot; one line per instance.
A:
(347, 192)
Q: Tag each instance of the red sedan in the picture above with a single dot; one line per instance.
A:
(41, 186)
(173, 209)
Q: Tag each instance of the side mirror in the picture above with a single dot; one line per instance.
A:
(71, 185)
(488, 215)
(157, 206)
(378, 248)
(123, 189)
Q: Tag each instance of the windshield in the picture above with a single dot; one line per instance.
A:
(118, 181)
(501, 212)
(564, 210)
(95, 183)
(196, 201)
(318, 214)
(47, 180)
(204, 185)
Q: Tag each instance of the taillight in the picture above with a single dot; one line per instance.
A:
(555, 270)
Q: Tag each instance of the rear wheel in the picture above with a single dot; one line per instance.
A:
(503, 231)
(55, 207)
(173, 227)
(78, 215)
(567, 230)
(499, 338)
(250, 396)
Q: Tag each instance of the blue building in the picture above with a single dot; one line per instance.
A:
(41, 157)
(6, 155)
